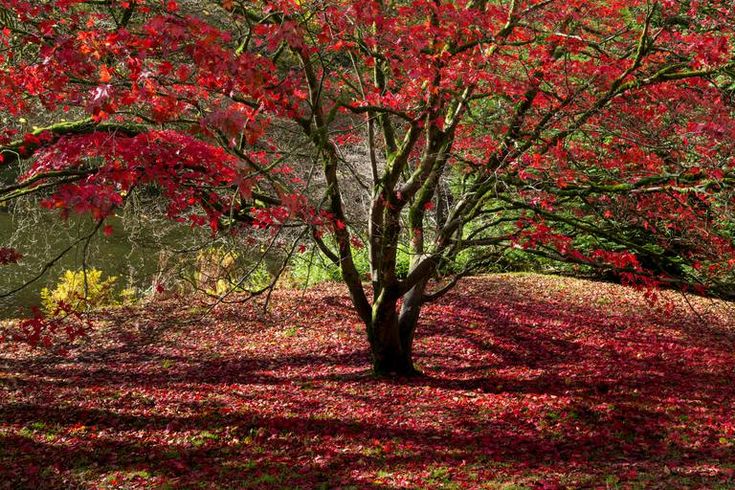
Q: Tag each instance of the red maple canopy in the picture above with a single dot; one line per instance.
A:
(595, 132)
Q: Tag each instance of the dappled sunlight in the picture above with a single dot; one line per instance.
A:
(538, 381)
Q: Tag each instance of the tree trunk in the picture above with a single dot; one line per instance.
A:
(391, 350)
(409, 317)
(391, 335)
(390, 357)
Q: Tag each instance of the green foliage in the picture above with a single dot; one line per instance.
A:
(257, 278)
(313, 267)
(71, 290)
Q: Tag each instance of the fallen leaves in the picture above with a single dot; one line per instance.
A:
(539, 382)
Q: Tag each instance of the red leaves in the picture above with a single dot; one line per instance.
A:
(52, 333)
(105, 74)
(180, 165)
(238, 121)
(97, 200)
(9, 256)
(537, 90)
(619, 260)
(531, 381)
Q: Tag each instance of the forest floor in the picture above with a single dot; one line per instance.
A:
(531, 381)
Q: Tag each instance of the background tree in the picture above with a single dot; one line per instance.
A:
(598, 133)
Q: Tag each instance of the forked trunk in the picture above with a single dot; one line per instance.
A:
(391, 335)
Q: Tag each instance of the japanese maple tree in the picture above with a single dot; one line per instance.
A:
(594, 132)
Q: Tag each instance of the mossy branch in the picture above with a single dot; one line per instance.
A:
(22, 148)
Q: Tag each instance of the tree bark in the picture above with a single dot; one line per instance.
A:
(409, 317)
(391, 357)
(391, 334)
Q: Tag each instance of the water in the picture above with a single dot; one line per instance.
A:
(134, 252)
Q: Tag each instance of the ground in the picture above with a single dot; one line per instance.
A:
(530, 382)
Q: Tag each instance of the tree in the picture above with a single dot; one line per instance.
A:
(598, 133)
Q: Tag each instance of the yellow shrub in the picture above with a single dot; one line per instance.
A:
(70, 290)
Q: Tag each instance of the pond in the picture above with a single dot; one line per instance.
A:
(133, 253)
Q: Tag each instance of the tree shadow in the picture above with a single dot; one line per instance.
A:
(511, 393)
(248, 450)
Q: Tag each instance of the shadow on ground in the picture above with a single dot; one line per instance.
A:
(532, 381)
